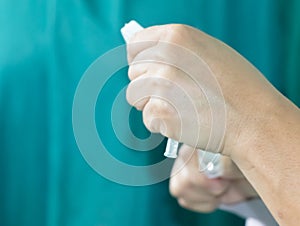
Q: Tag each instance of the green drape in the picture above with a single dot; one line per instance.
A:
(291, 51)
(45, 47)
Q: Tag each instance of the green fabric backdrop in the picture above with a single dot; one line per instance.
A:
(291, 51)
(45, 47)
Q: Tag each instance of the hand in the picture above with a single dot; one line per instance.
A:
(189, 84)
(196, 192)
(203, 85)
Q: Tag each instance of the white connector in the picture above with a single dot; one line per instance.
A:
(130, 29)
(171, 149)
(210, 164)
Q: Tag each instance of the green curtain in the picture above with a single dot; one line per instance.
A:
(290, 21)
(45, 47)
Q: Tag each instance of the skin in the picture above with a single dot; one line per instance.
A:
(196, 192)
(262, 126)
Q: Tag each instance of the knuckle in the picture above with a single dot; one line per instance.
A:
(175, 30)
(132, 72)
(152, 124)
(187, 183)
(158, 108)
(219, 187)
(204, 207)
(175, 189)
(183, 203)
(155, 82)
(168, 73)
(180, 185)
(163, 108)
(209, 207)
(201, 182)
(151, 118)
(132, 96)
(137, 69)
(138, 101)
(135, 47)
(226, 200)
(129, 96)
(217, 191)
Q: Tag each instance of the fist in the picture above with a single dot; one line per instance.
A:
(196, 192)
(195, 89)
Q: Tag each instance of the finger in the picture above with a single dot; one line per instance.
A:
(134, 97)
(215, 186)
(204, 207)
(142, 40)
(184, 157)
(238, 191)
(138, 68)
(159, 115)
(163, 84)
(188, 182)
(162, 43)
(189, 192)
(152, 83)
(182, 186)
(161, 109)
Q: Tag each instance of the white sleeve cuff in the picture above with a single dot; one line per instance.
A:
(253, 210)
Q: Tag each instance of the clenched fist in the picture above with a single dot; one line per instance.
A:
(195, 191)
(195, 89)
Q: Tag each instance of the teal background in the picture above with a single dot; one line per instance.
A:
(45, 47)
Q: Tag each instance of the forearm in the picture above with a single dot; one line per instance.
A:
(271, 161)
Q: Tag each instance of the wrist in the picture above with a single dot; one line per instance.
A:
(270, 160)
(261, 133)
